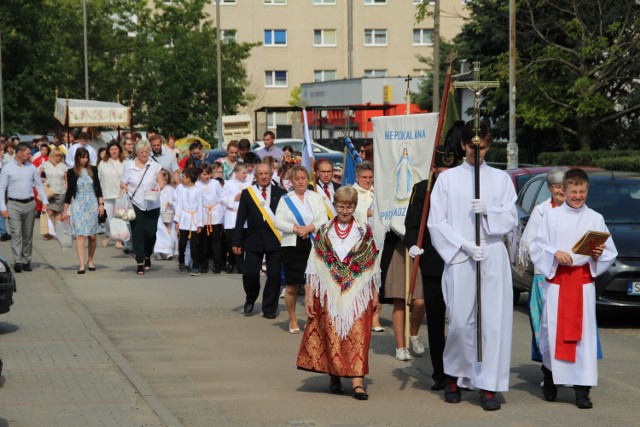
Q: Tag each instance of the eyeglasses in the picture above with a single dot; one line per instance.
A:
(362, 150)
(320, 171)
(337, 176)
(349, 208)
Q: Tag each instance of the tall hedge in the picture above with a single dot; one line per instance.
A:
(623, 160)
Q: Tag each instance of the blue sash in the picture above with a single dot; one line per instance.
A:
(296, 212)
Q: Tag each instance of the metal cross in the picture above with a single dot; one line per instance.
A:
(477, 86)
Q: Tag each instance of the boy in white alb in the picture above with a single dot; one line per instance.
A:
(212, 214)
(568, 330)
(230, 200)
(187, 202)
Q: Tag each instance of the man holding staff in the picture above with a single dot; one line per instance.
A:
(451, 225)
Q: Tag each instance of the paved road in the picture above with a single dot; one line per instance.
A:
(109, 348)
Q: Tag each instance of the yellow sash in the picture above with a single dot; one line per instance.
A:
(266, 212)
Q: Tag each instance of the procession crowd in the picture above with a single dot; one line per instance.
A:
(263, 213)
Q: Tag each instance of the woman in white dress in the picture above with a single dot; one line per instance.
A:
(109, 172)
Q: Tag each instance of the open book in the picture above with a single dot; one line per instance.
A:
(590, 240)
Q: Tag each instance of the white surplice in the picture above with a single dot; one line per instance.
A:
(561, 229)
(452, 223)
(232, 188)
(166, 236)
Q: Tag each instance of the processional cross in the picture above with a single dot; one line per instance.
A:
(477, 86)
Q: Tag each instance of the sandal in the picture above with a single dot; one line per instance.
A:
(140, 269)
(335, 386)
(147, 264)
(360, 395)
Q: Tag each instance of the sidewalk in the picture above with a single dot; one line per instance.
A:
(59, 367)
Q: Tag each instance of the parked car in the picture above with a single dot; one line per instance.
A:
(319, 151)
(616, 196)
(520, 176)
(7, 286)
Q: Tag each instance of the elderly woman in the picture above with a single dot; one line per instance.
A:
(110, 172)
(364, 211)
(54, 171)
(341, 297)
(554, 183)
(299, 214)
(138, 176)
(84, 198)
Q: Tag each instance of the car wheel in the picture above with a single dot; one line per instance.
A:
(516, 296)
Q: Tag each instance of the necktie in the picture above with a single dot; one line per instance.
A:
(326, 191)
(264, 193)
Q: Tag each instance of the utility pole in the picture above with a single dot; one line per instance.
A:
(86, 59)
(219, 76)
(436, 57)
(349, 39)
(512, 146)
(1, 90)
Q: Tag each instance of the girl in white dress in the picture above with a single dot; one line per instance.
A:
(166, 237)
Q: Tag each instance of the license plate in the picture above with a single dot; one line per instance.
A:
(633, 288)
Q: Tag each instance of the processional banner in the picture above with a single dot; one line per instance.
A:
(402, 151)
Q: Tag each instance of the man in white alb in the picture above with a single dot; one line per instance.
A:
(452, 228)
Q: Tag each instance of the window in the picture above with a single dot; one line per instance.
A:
(275, 37)
(321, 2)
(422, 37)
(375, 37)
(275, 79)
(424, 1)
(375, 73)
(324, 75)
(228, 35)
(275, 2)
(324, 37)
(375, 1)
(276, 118)
(225, 1)
(422, 72)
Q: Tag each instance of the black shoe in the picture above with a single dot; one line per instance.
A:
(216, 271)
(17, 268)
(360, 395)
(248, 307)
(582, 397)
(549, 389)
(204, 269)
(489, 401)
(81, 271)
(452, 392)
(229, 268)
(335, 386)
(26, 266)
(438, 383)
(5, 237)
(147, 264)
(270, 316)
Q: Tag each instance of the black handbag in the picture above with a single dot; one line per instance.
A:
(102, 218)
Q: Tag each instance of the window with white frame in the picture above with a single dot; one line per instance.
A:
(375, 37)
(228, 35)
(275, 2)
(224, 1)
(324, 37)
(276, 78)
(425, 1)
(275, 118)
(422, 36)
(375, 1)
(375, 73)
(323, 2)
(422, 72)
(324, 75)
(275, 37)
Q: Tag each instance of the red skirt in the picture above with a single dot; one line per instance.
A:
(323, 351)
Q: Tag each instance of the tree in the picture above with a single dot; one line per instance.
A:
(581, 66)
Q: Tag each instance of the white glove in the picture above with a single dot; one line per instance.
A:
(415, 251)
(475, 252)
(478, 206)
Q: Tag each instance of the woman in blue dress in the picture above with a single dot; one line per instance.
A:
(84, 197)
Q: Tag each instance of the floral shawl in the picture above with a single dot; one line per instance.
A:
(345, 283)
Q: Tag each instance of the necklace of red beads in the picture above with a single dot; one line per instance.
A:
(342, 234)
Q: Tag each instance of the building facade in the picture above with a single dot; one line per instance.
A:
(304, 41)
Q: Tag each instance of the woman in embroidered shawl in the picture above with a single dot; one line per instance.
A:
(341, 297)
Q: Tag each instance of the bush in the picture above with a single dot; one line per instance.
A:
(627, 160)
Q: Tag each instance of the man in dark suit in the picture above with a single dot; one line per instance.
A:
(259, 240)
(324, 184)
(431, 268)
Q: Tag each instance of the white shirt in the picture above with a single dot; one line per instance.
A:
(71, 154)
(212, 194)
(342, 247)
(132, 176)
(55, 176)
(110, 172)
(232, 188)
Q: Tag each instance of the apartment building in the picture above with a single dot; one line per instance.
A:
(307, 41)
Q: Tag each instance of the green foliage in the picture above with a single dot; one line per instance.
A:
(158, 58)
(624, 160)
(296, 96)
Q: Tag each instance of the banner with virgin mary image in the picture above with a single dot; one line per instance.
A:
(402, 150)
